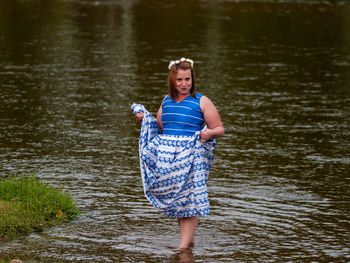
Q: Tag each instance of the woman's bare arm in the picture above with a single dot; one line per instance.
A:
(212, 119)
(159, 118)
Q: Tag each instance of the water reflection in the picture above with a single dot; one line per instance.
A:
(278, 73)
(184, 256)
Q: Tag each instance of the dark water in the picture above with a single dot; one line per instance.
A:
(278, 72)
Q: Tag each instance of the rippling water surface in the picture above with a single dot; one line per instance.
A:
(278, 72)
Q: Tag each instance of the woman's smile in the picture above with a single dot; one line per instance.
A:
(183, 82)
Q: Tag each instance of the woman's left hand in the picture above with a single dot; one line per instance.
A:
(206, 134)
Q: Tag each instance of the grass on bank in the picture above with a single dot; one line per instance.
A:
(27, 205)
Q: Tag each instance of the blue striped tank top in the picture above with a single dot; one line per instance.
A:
(182, 118)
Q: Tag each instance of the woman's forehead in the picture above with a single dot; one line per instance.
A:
(183, 73)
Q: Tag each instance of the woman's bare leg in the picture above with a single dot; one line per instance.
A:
(187, 229)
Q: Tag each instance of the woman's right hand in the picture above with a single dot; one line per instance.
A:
(139, 116)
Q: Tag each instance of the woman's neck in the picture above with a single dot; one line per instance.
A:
(180, 97)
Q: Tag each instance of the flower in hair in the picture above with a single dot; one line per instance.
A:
(179, 61)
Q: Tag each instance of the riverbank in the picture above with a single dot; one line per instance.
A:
(27, 204)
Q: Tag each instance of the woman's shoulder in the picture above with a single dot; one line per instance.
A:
(198, 95)
(166, 99)
(201, 98)
(205, 103)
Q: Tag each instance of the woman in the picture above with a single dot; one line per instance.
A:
(175, 164)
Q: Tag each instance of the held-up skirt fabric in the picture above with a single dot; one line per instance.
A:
(174, 169)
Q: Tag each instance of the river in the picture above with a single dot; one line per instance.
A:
(279, 74)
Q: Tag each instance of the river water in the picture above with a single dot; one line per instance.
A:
(279, 74)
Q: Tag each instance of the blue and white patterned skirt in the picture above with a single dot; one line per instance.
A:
(175, 170)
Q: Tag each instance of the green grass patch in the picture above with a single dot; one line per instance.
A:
(27, 205)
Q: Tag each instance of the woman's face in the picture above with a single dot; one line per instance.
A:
(183, 83)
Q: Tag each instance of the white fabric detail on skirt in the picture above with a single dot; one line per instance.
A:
(174, 169)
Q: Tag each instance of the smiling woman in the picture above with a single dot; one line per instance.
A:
(175, 164)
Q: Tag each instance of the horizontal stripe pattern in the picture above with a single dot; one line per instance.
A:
(182, 118)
